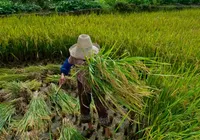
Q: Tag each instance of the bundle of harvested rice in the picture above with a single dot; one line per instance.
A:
(33, 84)
(68, 132)
(6, 111)
(67, 103)
(37, 116)
(118, 79)
(18, 90)
(13, 77)
(14, 87)
(17, 87)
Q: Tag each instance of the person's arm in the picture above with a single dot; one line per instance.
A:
(65, 69)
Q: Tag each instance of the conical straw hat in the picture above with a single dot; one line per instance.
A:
(83, 48)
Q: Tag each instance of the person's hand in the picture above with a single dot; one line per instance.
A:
(62, 79)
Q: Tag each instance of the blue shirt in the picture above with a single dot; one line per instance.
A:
(65, 68)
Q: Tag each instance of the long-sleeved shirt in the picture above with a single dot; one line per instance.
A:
(81, 75)
(65, 68)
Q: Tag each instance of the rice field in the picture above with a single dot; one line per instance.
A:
(161, 51)
(170, 36)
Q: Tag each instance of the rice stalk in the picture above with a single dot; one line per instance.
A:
(33, 69)
(30, 135)
(52, 67)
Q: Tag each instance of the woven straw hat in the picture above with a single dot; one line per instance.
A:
(84, 47)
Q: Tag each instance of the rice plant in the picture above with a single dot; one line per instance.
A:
(174, 112)
(172, 37)
(18, 89)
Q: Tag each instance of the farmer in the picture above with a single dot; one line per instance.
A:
(78, 52)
